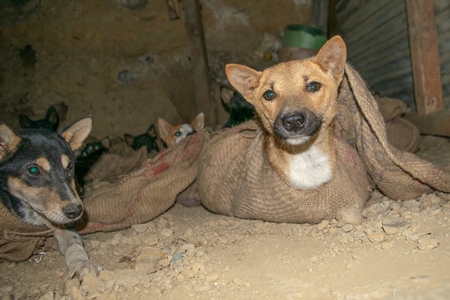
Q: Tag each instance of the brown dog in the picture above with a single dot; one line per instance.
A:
(296, 104)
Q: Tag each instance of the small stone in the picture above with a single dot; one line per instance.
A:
(165, 261)
(140, 228)
(322, 225)
(387, 245)
(189, 232)
(94, 243)
(90, 285)
(349, 215)
(314, 259)
(50, 295)
(427, 244)
(150, 254)
(375, 237)
(347, 228)
(71, 283)
(106, 275)
(166, 232)
(151, 240)
(74, 294)
(420, 279)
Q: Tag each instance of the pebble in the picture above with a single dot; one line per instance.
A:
(349, 215)
(322, 225)
(347, 227)
(375, 237)
(387, 245)
(427, 243)
(140, 228)
(166, 232)
(90, 285)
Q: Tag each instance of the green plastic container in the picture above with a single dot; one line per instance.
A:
(303, 36)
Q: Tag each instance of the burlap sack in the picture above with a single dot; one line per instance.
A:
(398, 174)
(18, 240)
(146, 193)
(236, 179)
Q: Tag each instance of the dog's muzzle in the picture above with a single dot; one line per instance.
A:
(298, 124)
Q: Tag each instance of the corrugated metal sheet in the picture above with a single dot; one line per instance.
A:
(442, 15)
(376, 35)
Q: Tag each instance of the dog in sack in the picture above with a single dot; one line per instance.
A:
(37, 190)
(289, 166)
(172, 134)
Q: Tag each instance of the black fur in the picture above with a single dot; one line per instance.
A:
(34, 143)
(240, 110)
(148, 139)
(50, 122)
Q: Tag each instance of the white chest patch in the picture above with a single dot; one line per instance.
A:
(309, 169)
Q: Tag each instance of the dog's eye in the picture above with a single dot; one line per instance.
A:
(69, 166)
(33, 170)
(313, 86)
(269, 95)
(177, 134)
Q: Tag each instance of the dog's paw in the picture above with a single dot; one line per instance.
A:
(81, 268)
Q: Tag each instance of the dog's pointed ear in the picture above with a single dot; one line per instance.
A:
(53, 117)
(8, 141)
(163, 128)
(77, 132)
(151, 131)
(199, 122)
(243, 79)
(332, 56)
(24, 121)
(129, 139)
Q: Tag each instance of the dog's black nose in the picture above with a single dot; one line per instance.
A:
(72, 211)
(294, 122)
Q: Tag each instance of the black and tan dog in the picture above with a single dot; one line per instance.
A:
(37, 184)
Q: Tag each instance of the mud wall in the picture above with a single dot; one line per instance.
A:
(99, 56)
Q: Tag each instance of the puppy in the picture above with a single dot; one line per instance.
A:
(172, 134)
(239, 109)
(87, 157)
(147, 139)
(50, 122)
(37, 184)
(295, 103)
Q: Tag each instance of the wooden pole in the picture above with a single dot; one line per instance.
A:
(423, 41)
(200, 69)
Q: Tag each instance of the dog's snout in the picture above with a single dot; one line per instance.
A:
(72, 211)
(294, 122)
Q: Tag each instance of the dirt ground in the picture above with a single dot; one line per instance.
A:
(400, 251)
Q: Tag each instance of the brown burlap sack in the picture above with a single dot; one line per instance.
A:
(398, 174)
(236, 179)
(18, 240)
(401, 133)
(146, 193)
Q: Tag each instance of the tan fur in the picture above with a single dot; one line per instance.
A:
(8, 141)
(289, 81)
(167, 131)
(77, 133)
(65, 161)
(43, 200)
(43, 163)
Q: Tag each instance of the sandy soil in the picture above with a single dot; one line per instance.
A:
(401, 251)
